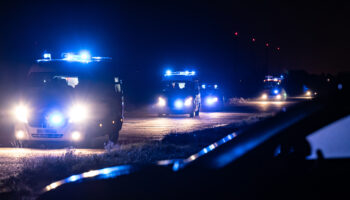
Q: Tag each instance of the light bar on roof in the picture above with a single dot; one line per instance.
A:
(83, 57)
(274, 79)
(180, 73)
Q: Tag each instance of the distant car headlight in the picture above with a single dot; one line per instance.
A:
(188, 101)
(21, 113)
(78, 113)
(278, 97)
(308, 93)
(264, 96)
(161, 102)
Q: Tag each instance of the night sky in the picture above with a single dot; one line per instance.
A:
(147, 37)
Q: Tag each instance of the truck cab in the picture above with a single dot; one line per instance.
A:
(273, 89)
(73, 99)
(180, 94)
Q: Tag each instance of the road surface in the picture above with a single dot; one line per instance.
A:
(140, 127)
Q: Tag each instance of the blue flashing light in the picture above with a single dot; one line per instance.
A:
(47, 56)
(181, 73)
(69, 56)
(275, 91)
(85, 55)
(56, 119)
(216, 86)
(179, 104)
(203, 86)
(168, 73)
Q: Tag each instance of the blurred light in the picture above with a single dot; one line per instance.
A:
(56, 119)
(275, 91)
(236, 33)
(188, 101)
(91, 173)
(76, 136)
(179, 164)
(182, 85)
(308, 93)
(279, 97)
(105, 173)
(211, 100)
(74, 178)
(215, 86)
(168, 72)
(267, 44)
(178, 104)
(21, 113)
(85, 55)
(253, 39)
(20, 134)
(47, 55)
(184, 73)
(69, 56)
(203, 86)
(78, 113)
(161, 102)
(264, 96)
(278, 48)
(340, 86)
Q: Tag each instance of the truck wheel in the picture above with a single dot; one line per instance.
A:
(113, 137)
(197, 113)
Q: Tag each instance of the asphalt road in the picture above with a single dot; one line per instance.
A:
(142, 127)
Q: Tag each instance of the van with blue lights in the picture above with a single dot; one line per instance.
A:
(273, 89)
(180, 94)
(71, 99)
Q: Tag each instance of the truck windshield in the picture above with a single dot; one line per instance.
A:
(42, 79)
(272, 84)
(175, 86)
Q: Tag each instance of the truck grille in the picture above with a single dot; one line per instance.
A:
(39, 120)
(43, 135)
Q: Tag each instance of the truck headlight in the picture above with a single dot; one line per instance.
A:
(161, 102)
(78, 113)
(264, 96)
(188, 101)
(212, 100)
(76, 135)
(21, 113)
